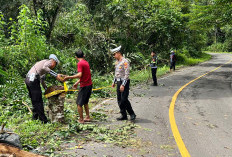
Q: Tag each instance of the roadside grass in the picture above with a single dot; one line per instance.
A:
(145, 74)
(216, 52)
(50, 136)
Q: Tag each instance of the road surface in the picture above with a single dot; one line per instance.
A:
(203, 110)
(203, 113)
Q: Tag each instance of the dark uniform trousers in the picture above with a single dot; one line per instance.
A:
(153, 71)
(35, 94)
(123, 102)
(173, 65)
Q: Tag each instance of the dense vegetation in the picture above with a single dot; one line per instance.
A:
(31, 30)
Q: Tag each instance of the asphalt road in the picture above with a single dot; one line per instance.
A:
(203, 113)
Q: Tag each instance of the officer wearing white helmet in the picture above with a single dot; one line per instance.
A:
(154, 67)
(172, 61)
(122, 71)
(33, 78)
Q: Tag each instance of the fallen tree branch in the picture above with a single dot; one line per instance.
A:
(2, 128)
(27, 106)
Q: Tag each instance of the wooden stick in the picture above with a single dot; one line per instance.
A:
(2, 129)
(27, 106)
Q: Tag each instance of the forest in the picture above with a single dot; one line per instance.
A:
(31, 30)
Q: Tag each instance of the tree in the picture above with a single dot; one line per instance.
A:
(51, 9)
(10, 10)
(210, 16)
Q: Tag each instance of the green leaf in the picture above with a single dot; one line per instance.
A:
(3, 73)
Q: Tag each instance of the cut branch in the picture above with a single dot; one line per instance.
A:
(27, 107)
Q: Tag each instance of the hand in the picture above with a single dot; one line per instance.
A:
(113, 85)
(64, 78)
(121, 88)
(60, 77)
(75, 85)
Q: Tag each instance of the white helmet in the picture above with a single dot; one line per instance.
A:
(117, 49)
(52, 56)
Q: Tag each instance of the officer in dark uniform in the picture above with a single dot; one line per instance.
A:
(122, 70)
(153, 65)
(36, 75)
(172, 61)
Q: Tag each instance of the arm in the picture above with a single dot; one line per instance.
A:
(43, 82)
(126, 77)
(53, 73)
(78, 75)
(127, 72)
(76, 84)
(156, 60)
(153, 59)
(59, 77)
(47, 67)
(114, 82)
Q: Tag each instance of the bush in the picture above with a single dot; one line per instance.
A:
(228, 45)
(218, 47)
(28, 42)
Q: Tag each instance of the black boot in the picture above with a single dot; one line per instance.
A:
(132, 117)
(122, 118)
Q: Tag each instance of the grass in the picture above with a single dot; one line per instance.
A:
(216, 52)
(145, 74)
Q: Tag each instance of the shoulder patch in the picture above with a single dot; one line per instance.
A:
(125, 65)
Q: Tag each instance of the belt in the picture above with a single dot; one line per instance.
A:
(119, 79)
(36, 76)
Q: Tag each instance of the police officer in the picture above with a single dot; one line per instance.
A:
(123, 83)
(172, 61)
(153, 65)
(33, 78)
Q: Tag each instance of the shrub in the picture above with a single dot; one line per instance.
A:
(218, 47)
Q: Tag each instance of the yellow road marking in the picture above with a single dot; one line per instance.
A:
(183, 150)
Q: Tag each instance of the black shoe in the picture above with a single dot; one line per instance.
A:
(44, 122)
(35, 118)
(133, 117)
(154, 84)
(122, 118)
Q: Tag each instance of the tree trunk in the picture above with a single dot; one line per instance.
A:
(49, 17)
(56, 104)
(52, 22)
